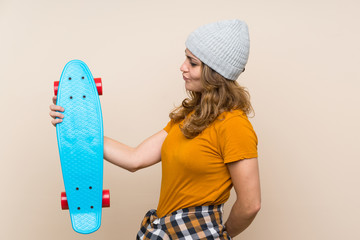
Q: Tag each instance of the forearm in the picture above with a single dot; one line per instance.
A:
(240, 218)
(119, 154)
(132, 159)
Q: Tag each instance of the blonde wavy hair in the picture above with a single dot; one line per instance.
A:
(219, 95)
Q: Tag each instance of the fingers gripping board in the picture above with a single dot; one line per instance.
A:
(80, 143)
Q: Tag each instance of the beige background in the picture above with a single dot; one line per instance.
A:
(303, 76)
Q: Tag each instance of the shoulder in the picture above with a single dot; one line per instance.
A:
(169, 125)
(236, 137)
(234, 124)
(234, 117)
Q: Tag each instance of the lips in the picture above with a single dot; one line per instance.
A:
(185, 78)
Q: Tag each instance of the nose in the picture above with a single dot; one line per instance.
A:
(183, 67)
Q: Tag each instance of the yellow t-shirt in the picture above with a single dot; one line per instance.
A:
(194, 171)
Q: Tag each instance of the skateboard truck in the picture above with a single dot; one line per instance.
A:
(98, 84)
(105, 200)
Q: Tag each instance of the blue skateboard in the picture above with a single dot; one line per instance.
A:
(80, 141)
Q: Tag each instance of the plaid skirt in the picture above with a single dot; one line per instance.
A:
(203, 222)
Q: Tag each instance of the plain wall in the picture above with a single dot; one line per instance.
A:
(303, 76)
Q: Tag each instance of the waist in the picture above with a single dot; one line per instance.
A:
(185, 212)
(190, 223)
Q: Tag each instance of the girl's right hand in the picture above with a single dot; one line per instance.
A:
(55, 112)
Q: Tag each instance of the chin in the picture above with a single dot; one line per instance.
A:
(193, 88)
(190, 89)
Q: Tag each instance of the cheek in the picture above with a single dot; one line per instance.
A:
(197, 84)
(196, 74)
(196, 78)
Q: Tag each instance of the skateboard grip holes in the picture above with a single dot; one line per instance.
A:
(82, 77)
(90, 187)
(92, 207)
(69, 78)
(77, 188)
(84, 96)
(78, 208)
(71, 97)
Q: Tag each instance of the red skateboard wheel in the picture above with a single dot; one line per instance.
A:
(106, 198)
(56, 86)
(64, 203)
(98, 84)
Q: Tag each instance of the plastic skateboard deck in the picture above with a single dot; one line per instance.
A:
(80, 142)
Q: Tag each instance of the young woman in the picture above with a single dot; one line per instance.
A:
(208, 147)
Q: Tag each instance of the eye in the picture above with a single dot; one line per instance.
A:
(193, 64)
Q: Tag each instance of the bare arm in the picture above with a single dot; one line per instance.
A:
(129, 158)
(133, 159)
(245, 178)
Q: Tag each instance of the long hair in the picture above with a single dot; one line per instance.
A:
(219, 95)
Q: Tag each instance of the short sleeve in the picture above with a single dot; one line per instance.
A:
(169, 126)
(237, 139)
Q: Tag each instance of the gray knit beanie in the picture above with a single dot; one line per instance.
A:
(223, 46)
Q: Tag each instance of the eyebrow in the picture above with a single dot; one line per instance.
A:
(192, 58)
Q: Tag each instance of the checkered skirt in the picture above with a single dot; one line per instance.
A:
(203, 222)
